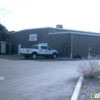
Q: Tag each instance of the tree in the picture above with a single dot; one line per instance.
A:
(3, 33)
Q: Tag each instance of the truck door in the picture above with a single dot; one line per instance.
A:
(49, 50)
(43, 50)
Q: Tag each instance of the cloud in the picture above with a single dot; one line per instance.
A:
(75, 14)
(9, 10)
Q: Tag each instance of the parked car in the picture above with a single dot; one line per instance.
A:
(39, 50)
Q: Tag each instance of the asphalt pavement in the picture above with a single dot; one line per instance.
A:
(41, 79)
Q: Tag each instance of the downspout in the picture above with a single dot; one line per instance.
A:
(71, 51)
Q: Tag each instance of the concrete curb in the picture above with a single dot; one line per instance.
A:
(77, 89)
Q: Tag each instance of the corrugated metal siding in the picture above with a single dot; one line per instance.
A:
(60, 43)
(22, 37)
(0, 48)
(82, 43)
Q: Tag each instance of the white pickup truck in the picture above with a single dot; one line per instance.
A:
(39, 50)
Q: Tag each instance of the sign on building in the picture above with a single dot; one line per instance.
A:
(33, 37)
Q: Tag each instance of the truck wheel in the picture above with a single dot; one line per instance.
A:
(26, 57)
(54, 56)
(34, 56)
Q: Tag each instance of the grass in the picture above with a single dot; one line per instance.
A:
(90, 69)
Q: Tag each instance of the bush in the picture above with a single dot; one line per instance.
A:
(90, 69)
(78, 56)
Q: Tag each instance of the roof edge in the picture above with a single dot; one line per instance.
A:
(72, 30)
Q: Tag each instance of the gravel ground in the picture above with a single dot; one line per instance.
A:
(88, 87)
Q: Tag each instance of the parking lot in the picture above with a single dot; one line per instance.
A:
(41, 79)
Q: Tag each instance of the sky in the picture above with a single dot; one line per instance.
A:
(72, 14)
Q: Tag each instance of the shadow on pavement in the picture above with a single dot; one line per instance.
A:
(12, 57)
(41, 59)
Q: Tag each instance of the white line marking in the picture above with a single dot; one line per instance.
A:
(77, 89)
(1, 78)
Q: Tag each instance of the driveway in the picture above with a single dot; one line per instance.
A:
(41, 79)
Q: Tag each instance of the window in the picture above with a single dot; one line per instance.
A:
(35, 47)
(43, 47)
(48, 48)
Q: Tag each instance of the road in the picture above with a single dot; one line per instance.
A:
(41, 79)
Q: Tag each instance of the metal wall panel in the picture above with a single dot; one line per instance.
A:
(59, 42)
(83, 44)
(22, 37)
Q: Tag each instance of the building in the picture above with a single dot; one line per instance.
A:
(69, 43)
(5, 48)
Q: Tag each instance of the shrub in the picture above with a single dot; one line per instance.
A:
(90, 69)
(78, 56)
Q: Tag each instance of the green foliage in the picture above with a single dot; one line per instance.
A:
(3, 32)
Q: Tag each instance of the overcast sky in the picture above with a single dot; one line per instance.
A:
(72, 14)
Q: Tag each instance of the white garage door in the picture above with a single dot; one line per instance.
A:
(3, 48)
